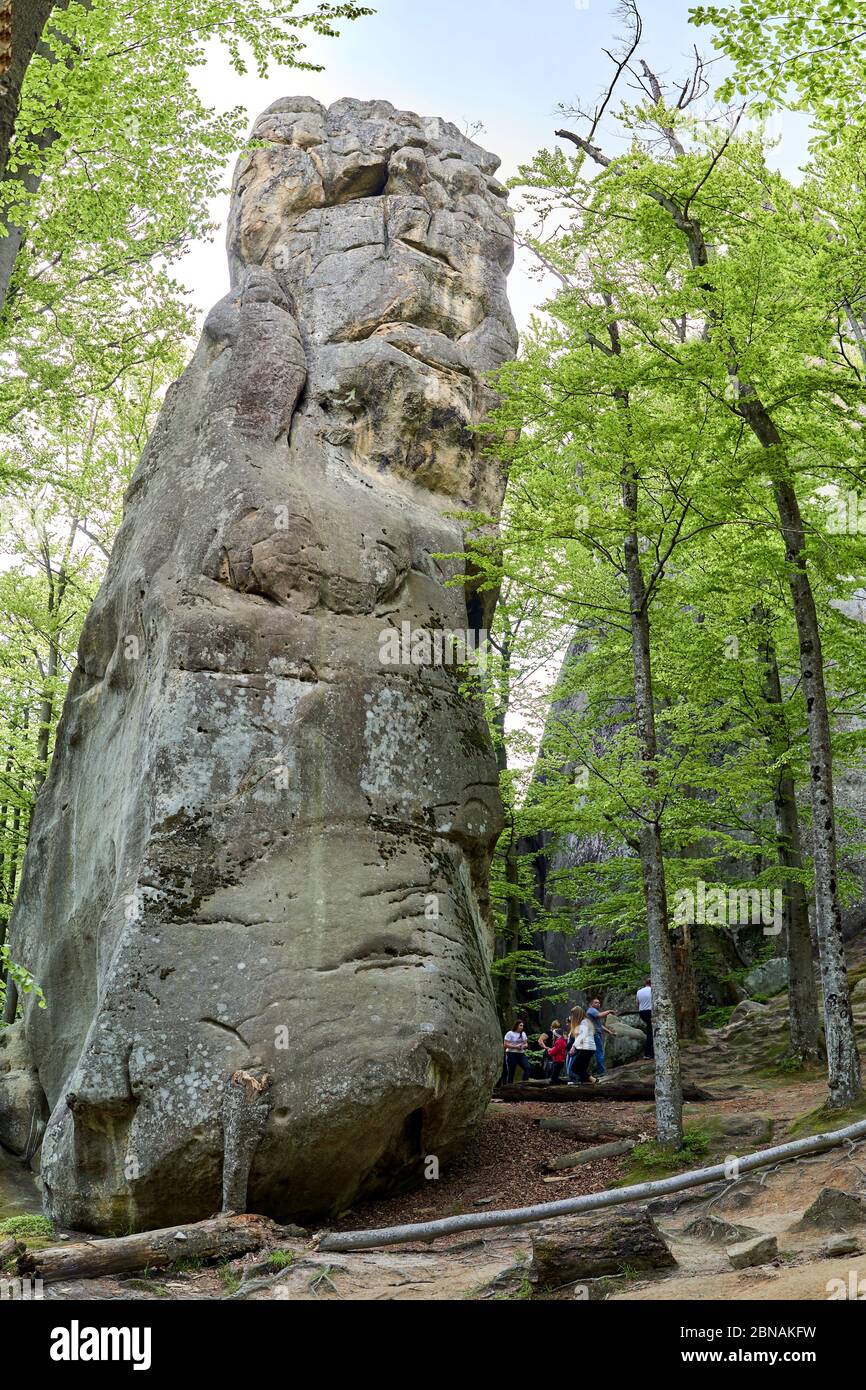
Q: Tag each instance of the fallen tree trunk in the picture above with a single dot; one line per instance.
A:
(608, 1090)
(574, 1160)
(593, 1201)
(218, 1237)
(9, 1248)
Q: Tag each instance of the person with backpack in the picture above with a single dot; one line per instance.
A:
(581, 1048)
(546, 1041)
(516, 1043)
(555, 1046)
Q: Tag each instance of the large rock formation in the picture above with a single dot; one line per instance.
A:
(259, 846)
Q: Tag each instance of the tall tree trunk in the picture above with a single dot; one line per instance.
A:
(685, 983)
(802, 990)
(668, 1088)
(507, 941)
(843, 1058)
(29, 18)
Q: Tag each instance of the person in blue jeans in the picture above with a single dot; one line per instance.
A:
(516, 1043)
(597, 1015)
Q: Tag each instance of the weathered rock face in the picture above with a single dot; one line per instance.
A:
(259, 846)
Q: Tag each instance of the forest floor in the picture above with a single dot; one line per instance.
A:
(756, 1103)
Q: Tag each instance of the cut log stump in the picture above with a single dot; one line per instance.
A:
(579, 1248)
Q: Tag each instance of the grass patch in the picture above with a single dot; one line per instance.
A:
(654, 1160)
(781, 1065)
(146, 1286)
(717, 1016)
(280, 1259)
(230, 1280)
(26, 1227)
(817, 1121)
(522, 1292)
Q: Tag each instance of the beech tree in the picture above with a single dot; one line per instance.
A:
(697, 286)
(108, 160)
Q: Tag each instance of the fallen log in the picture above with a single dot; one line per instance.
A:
(217, 1238)
(574, 1160)
(8, 1248)
(592, 1201)
(608, 1090)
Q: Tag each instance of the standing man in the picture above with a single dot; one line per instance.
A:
(597, 1015)
(645, 1009)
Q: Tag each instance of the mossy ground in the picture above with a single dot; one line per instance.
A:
(651, 1160)
(821, 1120)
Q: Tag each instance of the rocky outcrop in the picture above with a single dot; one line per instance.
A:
(22, 1102)
(265, 837)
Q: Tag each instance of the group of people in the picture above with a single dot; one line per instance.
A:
(571, 1049)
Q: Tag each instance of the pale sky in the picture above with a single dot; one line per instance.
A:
(504, 63)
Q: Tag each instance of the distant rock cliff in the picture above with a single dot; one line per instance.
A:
(259, 846)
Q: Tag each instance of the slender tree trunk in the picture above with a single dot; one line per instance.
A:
(685, 982)
(507, 941)
(29, 18)
(15, 858)
(668, 1086)
(843, 1058)
(842, 1055)
(802, 990)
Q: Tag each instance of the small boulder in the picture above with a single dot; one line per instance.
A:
(23, 1110)
(747, 1008)
(717, 1231)
(740, 1132)
(842, 1245)
(758, 1251)
(833, 1210)
(770, 977)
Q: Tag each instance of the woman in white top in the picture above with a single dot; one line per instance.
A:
(516, 1043)
(581, 1048)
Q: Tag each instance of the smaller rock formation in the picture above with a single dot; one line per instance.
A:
(833, 1210)
(748, 1253)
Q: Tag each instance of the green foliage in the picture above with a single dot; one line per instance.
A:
(25, 1227)
(229, 1278)
(113, 162)
(630, 377)
(801, 53)
(717, 1016)
(650, 1159)
(280, 1259)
